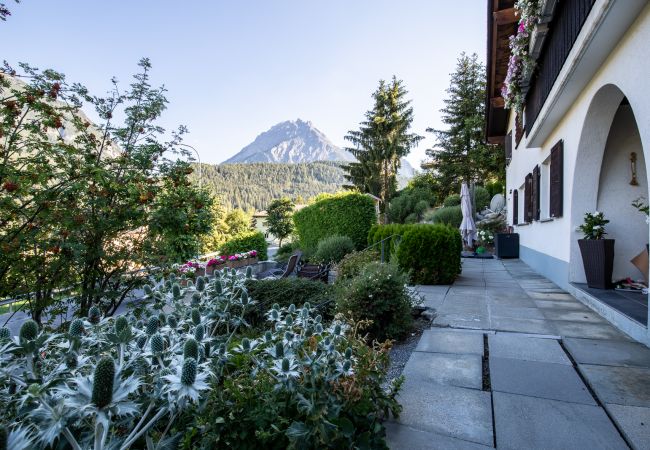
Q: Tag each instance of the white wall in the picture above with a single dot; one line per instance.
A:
(584, 129)
(615, 194)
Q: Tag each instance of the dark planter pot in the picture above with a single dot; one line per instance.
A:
(598, 261)
(506, 245)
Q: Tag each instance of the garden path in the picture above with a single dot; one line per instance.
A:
(512, 361)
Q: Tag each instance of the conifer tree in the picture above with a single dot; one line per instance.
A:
(381, 141)
(460, 153)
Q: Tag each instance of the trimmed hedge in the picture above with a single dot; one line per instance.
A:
(245, 242)
(431, 253)
(348, 214)
(451, 200)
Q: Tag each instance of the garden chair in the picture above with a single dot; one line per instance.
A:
(282, 272)
(318, 272)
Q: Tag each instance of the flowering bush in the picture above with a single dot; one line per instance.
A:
(485, 237)
(216, 261)
(378, 294)
(520, 65)
(594, 225)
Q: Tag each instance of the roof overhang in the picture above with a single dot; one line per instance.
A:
(501, 24)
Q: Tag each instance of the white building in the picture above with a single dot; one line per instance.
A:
(586, 117)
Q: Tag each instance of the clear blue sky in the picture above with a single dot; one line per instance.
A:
(235, 68)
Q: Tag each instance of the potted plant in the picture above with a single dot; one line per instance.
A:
(597, 252)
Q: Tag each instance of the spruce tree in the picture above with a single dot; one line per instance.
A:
(381, 141)
(460, 153)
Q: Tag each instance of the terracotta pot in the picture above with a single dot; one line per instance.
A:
(209, 270)
(598, 261)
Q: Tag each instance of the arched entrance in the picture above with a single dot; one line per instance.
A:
(602, 180)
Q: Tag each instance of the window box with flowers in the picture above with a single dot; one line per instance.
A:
(597, 252)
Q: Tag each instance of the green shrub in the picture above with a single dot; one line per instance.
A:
(284, 292)
(451, 200)
(285, 251)
(449, 215)
(353, 264)
(409, 205)
(332, 249)
(482, 198)
(378, 293)
(347, 214)
(380, 232)
(431, 253)
(245, 242)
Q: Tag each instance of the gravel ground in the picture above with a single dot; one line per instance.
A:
(401, 351)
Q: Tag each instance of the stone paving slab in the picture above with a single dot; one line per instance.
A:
(446, 368)
(555, 296)
(521, 302)
(581, 316)
(402, 437)
(474, 321)
(515, 312)
(629, 386)
(447, 341)
(588, 330)
(535, 423)
(538, 379)
(452, 411)
(514, 346)
(608, 353)
(634, 423)
(523, 325)
(455, 308)
(561, 305)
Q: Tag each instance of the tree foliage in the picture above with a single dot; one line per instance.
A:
(461, 153)
(382, 139)
(84, 205)
(254, 186)
(279, 220)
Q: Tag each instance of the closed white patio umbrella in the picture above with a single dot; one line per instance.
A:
(467, 226)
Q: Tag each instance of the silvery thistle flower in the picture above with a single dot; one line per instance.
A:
(286, 368)
(187, 382)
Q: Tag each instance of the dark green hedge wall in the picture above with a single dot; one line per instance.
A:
(349, 215)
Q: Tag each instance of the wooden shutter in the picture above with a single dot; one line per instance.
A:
(556, 187)
(508, 146)
(535, 193)
(519, 130)
(515, 207)
(528, 198)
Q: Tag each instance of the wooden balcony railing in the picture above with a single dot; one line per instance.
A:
(569, 17)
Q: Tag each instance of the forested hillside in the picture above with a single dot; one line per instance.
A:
(255, 185)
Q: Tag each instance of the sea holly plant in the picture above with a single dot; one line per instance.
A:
(123, 382)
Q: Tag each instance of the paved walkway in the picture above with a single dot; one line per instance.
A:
(514, 362)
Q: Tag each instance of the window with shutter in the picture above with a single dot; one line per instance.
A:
(515, 207)
(556, 186)
(519, 130)
(508, 146)
(536, 187)
(528, 198)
